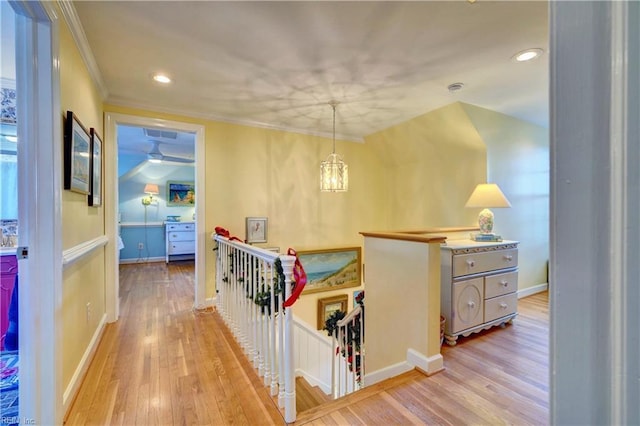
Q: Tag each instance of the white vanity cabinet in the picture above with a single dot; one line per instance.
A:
(479, 283)
(180, 239)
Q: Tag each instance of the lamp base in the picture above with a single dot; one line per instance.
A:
(485, 221)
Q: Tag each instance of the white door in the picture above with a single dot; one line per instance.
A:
(39, 220)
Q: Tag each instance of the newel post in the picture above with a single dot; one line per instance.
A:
(289, 397)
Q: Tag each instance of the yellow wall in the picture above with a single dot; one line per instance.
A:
(84, 281)
(518, 161)
(417, 174)
(402, 302)
(262, 172)
(433, 162)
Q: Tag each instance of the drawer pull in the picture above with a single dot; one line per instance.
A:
(471, 304)
(503, 305)
(508, 257)
(471, 263)
(504, 283)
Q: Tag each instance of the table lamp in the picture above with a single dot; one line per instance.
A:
(487, 195)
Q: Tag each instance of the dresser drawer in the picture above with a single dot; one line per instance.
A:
(181, 227)
(497, 285)
(182, 247)
(500, 306)
(475, 263)
(181, 236)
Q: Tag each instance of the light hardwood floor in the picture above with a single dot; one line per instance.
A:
(164, 364)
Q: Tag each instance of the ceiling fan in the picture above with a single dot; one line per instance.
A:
(156, 156)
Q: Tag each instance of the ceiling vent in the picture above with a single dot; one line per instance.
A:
(165, 134)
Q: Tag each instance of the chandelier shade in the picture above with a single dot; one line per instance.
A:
(334, 173)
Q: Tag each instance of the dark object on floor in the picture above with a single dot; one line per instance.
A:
(11, 337)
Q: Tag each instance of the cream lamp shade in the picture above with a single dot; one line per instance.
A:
(151, 189)
(487, 195)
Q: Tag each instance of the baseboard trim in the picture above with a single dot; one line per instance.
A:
(313, 381)
(387, 373)
(78, 376)
(428, 365)
(145, 260)
(530, 291)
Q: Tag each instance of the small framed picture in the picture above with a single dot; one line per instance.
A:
(95, 196)
(181, 194)
(329, 305)
(331, 268)
(356, 294)
(256, 230)
(77, 155)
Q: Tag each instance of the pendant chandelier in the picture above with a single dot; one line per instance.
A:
(334, 173)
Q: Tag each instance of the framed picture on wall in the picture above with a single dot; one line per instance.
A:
(328, 306)
(331, 269)
(95, 196)
(256, 230)
(181, 194)
(77, 155)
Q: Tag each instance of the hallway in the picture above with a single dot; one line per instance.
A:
(162, 363)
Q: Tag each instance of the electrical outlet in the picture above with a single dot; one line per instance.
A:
(88, 312)
(140, 246)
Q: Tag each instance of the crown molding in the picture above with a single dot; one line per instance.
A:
(123, 102)
(77, 31)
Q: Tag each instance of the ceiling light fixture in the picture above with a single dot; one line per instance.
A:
(454, 87)
(528, 55)
(161, 78)
(334, 173)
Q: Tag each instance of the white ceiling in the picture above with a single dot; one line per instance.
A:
(133, 140)
(278, 64)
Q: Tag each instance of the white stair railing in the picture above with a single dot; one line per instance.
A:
(348, 366)
(252, 285)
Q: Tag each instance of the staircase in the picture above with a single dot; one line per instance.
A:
(308, 397)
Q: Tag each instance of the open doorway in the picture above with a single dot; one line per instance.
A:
(176, 162)
(156, 193)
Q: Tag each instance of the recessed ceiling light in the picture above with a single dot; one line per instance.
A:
(161, 78)
(527, 55)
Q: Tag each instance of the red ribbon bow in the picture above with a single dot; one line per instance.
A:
(299, 276)
(223, 232)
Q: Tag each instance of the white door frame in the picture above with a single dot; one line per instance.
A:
(112, 121)
(39, 211)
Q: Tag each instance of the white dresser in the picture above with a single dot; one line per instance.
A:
(180, 239)
(479, 281)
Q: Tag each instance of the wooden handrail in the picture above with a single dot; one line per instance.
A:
(348, 318)
(429, 235)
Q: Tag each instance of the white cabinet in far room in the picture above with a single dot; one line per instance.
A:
(180, 238)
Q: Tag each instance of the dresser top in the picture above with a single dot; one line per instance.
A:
(470, 244)
(178, 222)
